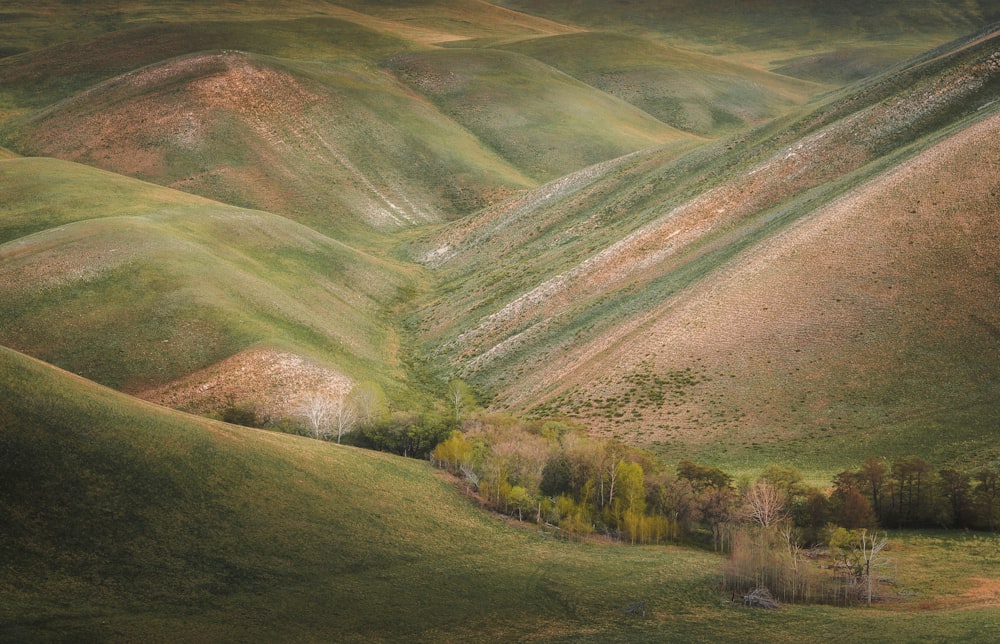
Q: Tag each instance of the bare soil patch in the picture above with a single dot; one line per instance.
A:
(274, 383)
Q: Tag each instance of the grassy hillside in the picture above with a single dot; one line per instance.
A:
(134, 285)
(778, 25)
(537, 118)
(694, 92)
(127, 521)
(564, 289)
(338, 146)
(299, 117)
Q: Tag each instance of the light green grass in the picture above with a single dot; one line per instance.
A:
(540, 120)
(131, 284)
(693, 92)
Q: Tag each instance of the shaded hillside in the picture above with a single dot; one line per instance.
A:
(125, 521)
(599, 265)
(208, 531)
(133, 285)
(693, 92)
(827, 42)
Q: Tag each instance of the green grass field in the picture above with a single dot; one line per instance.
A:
(133, 522)
(131, 284)
(720, 235)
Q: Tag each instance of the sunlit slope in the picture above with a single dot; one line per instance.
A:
(563, 287)
(540, 120)
(338, 146)
(693, 92)
(132, 285)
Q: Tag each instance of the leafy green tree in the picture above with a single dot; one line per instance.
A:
(454, 453)
(812, 516)
(986, 497)
(849, 507)
(786, 479)
(557, 475)
(912, 475)
(956, 487)
(631, 495)
(703, 475)
(460, 398)
(873, 478)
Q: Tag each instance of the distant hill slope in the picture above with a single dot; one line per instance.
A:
(693, 92)
(340, 147)
(773, 24)
(540, 120)
(134, 285)
(590, 295)
(832, 42)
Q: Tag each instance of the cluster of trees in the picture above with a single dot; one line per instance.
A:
(362, 417)
(909, 492)
(800, 542)
(553, 473)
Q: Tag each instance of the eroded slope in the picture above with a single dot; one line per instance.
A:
(554, 282)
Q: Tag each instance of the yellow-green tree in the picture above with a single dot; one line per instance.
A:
(454, 452)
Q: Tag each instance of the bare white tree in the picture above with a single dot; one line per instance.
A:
(345, 415)
(764, 504)
(319, 411)
(871, 545)
(460, 397)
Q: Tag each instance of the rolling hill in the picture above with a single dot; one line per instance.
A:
(134, 285)
(693, 92)
(740, 233)
(254, 132)
(401, 147)
(560, 293)
(126, 521)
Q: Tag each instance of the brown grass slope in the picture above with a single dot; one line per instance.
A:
(333, 146)
(585, 335)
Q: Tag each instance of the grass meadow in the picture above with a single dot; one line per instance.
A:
(561, 207)
(134, 522)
